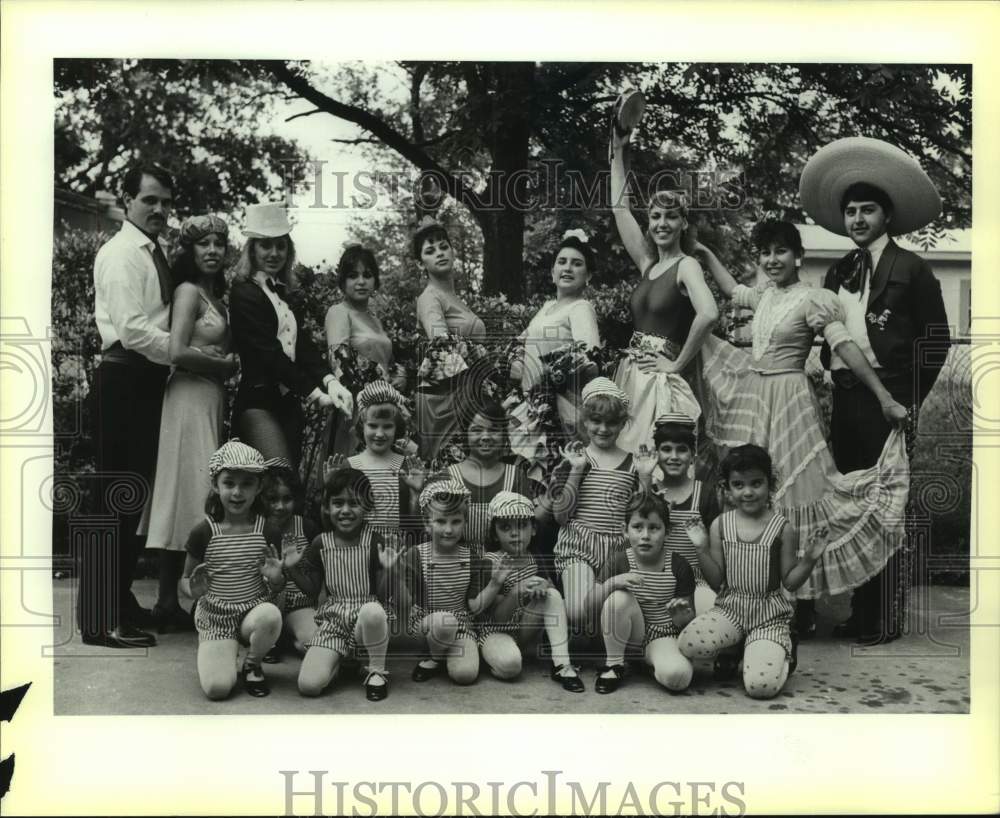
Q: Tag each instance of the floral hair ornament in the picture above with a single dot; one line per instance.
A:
(428, 221)
(449, 491)
(197, 227)
(378, 392)
(509, 505)
(577, 234)
(235, 456)
(603, 386)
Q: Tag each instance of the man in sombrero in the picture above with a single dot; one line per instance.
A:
(870, 190)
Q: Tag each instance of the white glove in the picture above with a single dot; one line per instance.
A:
(340, 397)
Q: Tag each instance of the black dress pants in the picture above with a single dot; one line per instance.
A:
(126, 404)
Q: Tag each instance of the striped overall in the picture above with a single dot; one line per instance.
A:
(752, 596)
(293, 596)
(237, 586)
(477, 523)
(447, 583)
(348, 584)
(597, 531)
(385, 493)
(487, 625)
(677, 539)
(658, 588)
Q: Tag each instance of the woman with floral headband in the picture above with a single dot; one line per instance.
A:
(672, 308)
(442, 314)
(568, 319)
(193, 406)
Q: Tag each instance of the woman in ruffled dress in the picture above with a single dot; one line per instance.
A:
(765, 398)
(672, 307)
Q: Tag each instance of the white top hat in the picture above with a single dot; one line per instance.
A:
(267, 221)
(845, 162)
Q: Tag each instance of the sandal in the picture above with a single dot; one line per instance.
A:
(253, 680)
(574, 684)
(609, 684)
(375, 693)
(421, 673)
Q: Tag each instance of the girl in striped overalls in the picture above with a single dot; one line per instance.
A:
(348, 562)
(686, 497)
(441, 585)
(526, 601)
(233, 571)
(282, 492)
(484, 473)
(648, 598)
(396, 479)
(588, 495)
(749, 558)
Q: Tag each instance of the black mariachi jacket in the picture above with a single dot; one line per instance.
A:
(263, 361)
(905, 316)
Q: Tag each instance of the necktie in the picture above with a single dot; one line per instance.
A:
(856, 271)
(276, 287)
(162, 272)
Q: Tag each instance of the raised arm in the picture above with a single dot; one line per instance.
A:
(727, 283)
(628, 228)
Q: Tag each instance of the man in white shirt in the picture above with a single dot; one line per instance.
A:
(132, 291)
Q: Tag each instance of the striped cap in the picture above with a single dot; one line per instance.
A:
(276, 463)
(445, 490)
(511, 505)
(378, 392)
(675, 417)
(235, 456)
(603, 386)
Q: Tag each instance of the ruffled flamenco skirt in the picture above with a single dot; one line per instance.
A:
(863, 511)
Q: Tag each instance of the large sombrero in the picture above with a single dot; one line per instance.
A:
(836, 167)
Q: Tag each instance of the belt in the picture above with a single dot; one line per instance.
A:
(117, 354)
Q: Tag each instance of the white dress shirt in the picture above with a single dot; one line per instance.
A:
(288, 327)
(856, 308)
(127, 302)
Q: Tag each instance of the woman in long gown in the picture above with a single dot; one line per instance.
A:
(568, 318)
(765, 398)
(351, 322)
(441, 312)
(193, 405)
(672, 307)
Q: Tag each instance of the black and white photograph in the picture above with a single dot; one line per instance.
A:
(449, 409)
(431, 387)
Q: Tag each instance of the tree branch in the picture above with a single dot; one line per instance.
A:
(304, 113)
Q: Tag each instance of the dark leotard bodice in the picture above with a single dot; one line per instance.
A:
(659, 307)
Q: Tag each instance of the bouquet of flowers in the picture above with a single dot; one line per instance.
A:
(354, 370)
(571, 365)
(446, 356)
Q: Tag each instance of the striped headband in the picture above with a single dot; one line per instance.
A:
(511, 505)
(603, 386)
(445, 490)
(378, 392)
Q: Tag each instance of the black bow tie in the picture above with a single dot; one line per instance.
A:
(276, 287)
(856, 270)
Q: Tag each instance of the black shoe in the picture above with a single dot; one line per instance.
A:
(133, 634)
(574, 684)
(172, 620)
(725, 667)
(421, 673)
(112, 639)
(805, 622)
(611, 684)
(272, 657)
(375, 693)
(136, 615)
(253, 680)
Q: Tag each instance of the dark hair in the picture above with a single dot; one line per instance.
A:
(493, 541)
(746, 458)
(429, 232)
(353, 480)
(645, 503)
(489, 408)
(397, 419)
(582, 248)
(773, 231)
(280, 475)
(185, 269)
(606, 406)
(865, 192)
(349, 261)
(675, 433)
(213, 503)
(132, 180)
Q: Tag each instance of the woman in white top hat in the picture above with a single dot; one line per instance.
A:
(281, 365)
